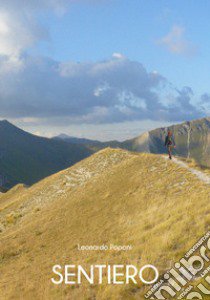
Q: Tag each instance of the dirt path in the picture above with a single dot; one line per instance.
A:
(201, 175)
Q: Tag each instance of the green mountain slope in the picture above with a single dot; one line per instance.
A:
(27, 158)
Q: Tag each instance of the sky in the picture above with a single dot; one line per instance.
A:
(103, 69)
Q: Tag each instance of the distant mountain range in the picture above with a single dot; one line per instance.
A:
(27, 158)
(94, 144)
(192, 140)
(76, 140)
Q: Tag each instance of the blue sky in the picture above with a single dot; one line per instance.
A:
(133, 28)
(126, 66)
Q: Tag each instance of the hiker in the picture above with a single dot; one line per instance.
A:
(170, 143)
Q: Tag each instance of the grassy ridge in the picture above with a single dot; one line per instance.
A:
(114, 196)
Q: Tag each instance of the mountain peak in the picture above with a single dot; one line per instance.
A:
(6, 124)
(63, 136)
(9, 128)
(4, 121)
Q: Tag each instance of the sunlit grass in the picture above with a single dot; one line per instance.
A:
(114, 196)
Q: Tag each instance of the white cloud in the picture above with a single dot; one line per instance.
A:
(205, 102)
(17, 33)
(40, 90)
(113, 90)
(34, 5)
(19, 28)
(176, 42)
(118, 55)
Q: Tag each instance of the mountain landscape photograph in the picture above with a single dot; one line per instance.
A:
(104, 150)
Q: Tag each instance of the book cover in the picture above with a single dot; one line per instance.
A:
(104, 150)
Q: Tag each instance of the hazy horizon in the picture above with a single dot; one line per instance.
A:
(82, 132)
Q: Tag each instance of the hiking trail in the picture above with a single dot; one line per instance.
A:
(199, 174)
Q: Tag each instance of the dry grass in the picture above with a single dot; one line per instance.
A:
(115, 197)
